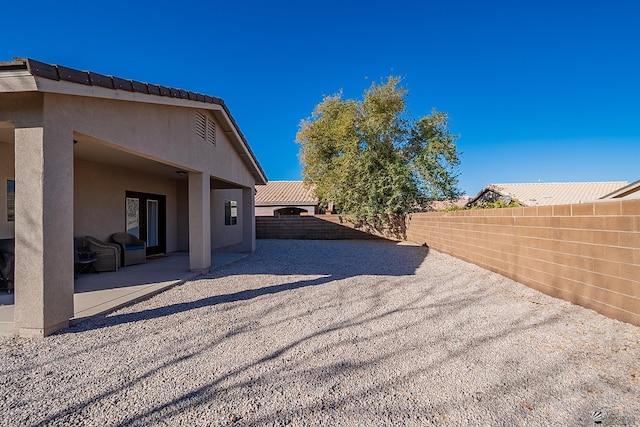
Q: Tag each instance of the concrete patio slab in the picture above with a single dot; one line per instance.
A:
(100, 293)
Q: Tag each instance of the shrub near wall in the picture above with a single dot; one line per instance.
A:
(588, 254)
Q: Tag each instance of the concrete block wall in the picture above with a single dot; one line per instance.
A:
(588, 254)
(318, 227)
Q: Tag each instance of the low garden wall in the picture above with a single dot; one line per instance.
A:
(318, 227)
(588, 253)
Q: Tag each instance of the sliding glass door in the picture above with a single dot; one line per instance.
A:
(146, 219)
(152, 223)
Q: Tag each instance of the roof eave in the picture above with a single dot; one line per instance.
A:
(16, 77)
(28, 75)
(621, 192)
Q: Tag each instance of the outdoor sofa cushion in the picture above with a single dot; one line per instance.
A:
(134, 250)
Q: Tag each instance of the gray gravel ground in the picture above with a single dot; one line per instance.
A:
(332, 333)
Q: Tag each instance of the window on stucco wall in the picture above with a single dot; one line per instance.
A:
(230, 212)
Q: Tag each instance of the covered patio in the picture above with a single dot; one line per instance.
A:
(87, 155)
(96, 294)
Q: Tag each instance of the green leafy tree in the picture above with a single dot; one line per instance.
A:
(372, 160)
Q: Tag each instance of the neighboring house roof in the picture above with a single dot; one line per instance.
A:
(277, 193)
(631, 191)
(551, 193)
(59, 79)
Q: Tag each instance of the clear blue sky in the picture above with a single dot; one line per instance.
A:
(537, 90)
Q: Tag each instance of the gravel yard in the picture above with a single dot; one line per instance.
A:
(332, 333)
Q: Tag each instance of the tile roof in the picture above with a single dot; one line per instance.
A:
(554, 193)
(284, 193)
(631, 191)
(89, 78)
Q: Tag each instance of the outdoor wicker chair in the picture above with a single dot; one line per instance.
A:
(134, 250)
(108, 254)
(83, 257)
(7, 250)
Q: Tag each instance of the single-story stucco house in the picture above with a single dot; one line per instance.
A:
(545, 193)
(278, 198)
(83, 153)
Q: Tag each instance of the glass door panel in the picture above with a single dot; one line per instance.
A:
(146, 219)
(152, 223)
(133, 216)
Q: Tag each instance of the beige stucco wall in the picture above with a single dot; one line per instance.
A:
(100, 199)
(44, 225)
(159, 132)
(225, 235)
(264, 210)
(14, 108)
(6, 172)
(183, 215)
(162, 133)
(60, 193)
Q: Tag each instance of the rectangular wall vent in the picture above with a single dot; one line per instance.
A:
(201, 125)
(205, 128)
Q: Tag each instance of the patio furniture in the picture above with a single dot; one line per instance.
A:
(134, 250)
(7, 251)
(108, 254)
(83, 257)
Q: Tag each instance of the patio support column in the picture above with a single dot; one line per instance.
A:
(248, 220)
(43, 229)
(199, 222)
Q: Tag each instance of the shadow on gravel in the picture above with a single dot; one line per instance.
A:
(337, 373)
(348, 259)
(234, 380)
(447, 354)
